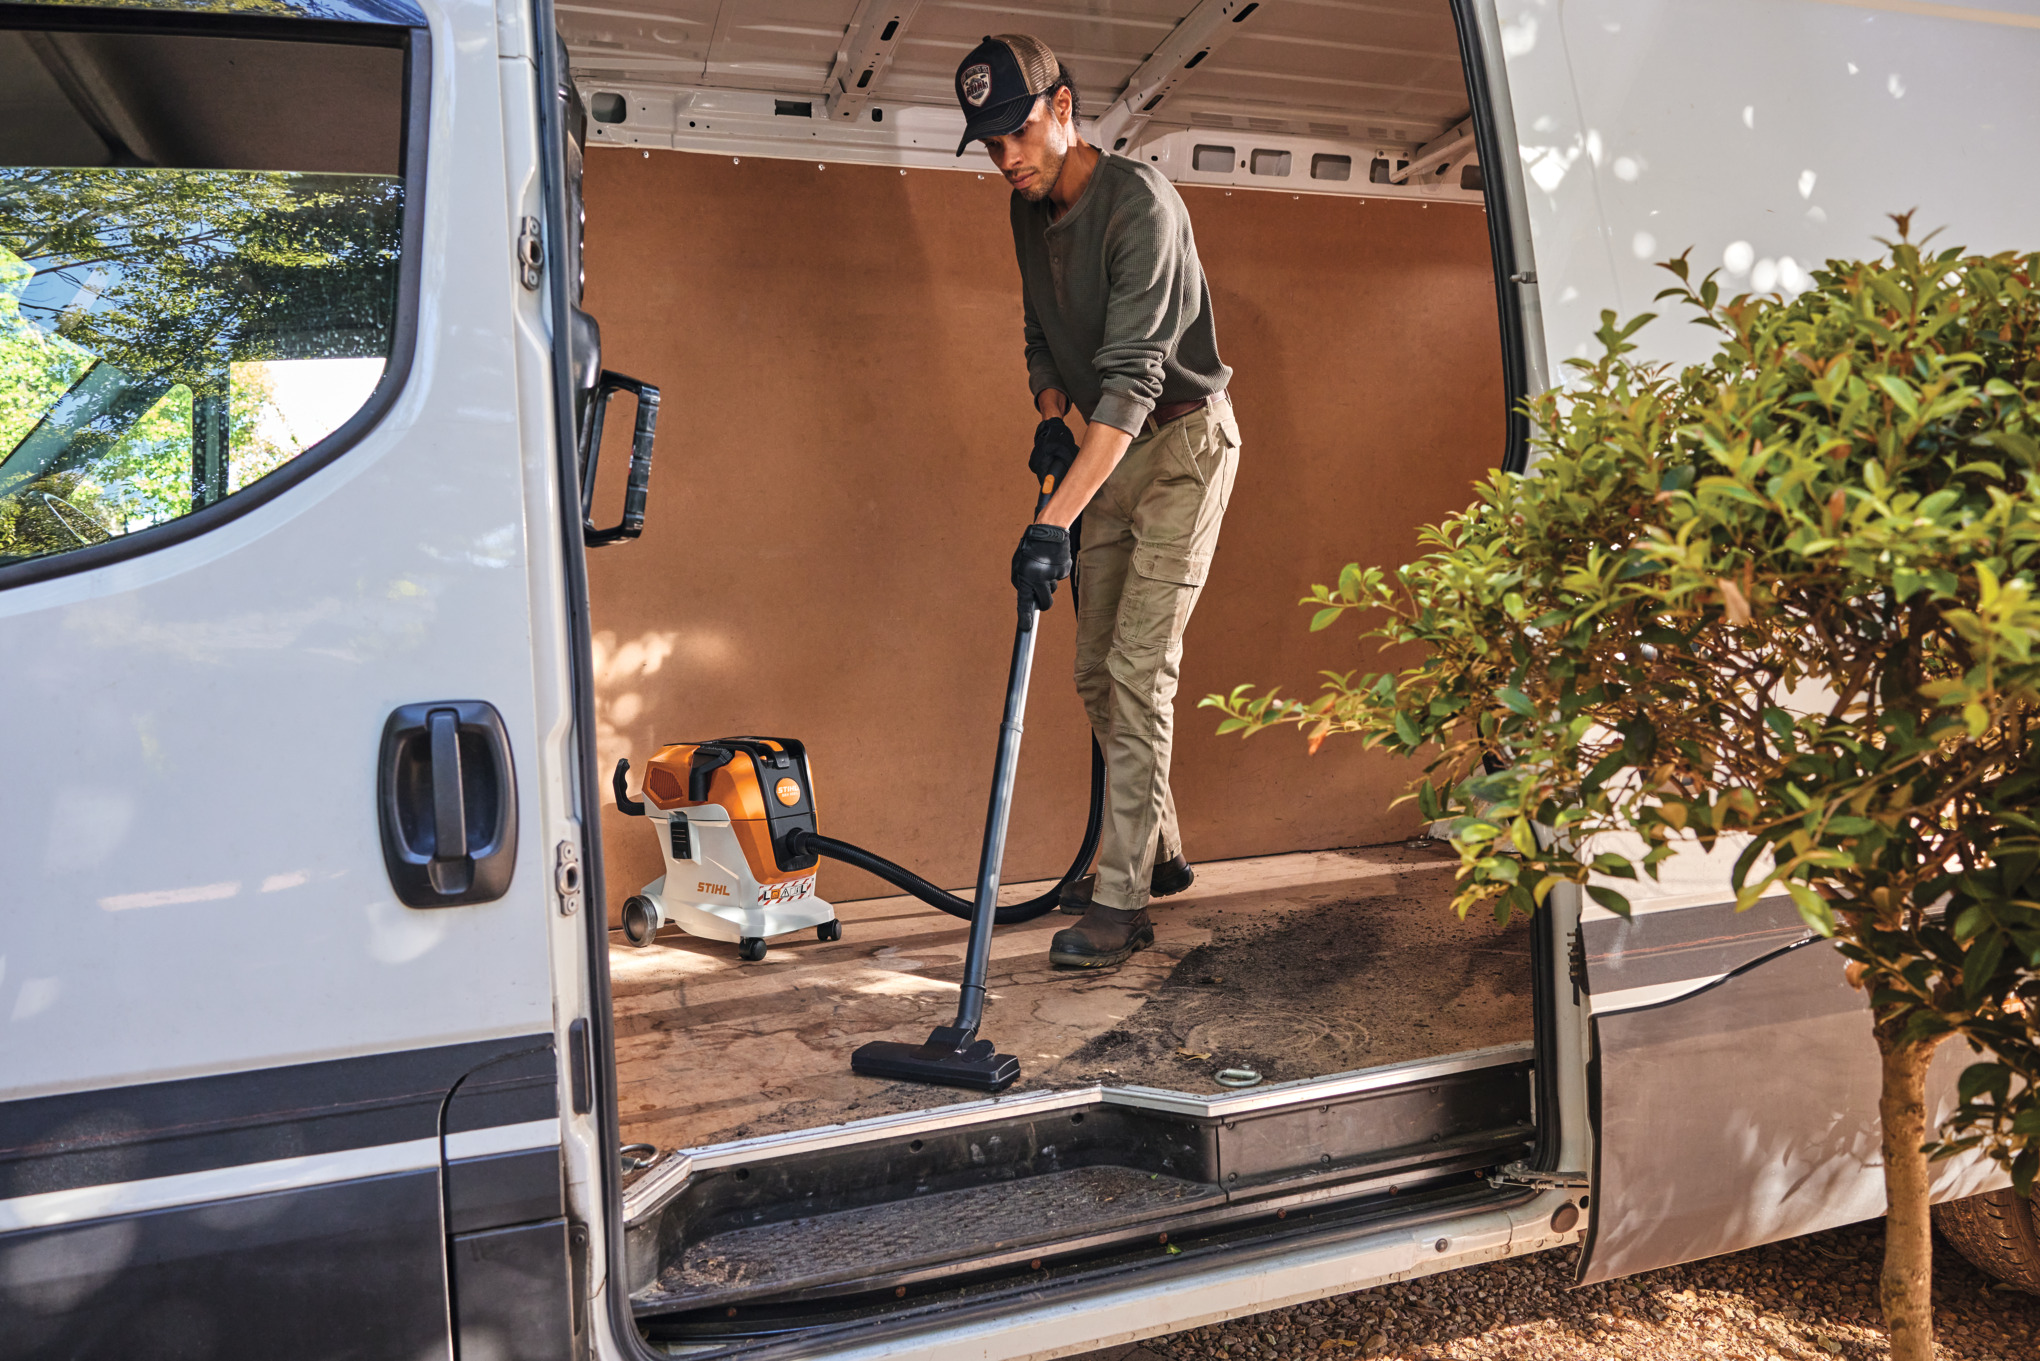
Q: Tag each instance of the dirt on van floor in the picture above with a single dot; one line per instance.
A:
(1296, 966)
(1805, 1299)
(1327, 988)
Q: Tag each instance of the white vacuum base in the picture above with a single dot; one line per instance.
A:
(734, 924)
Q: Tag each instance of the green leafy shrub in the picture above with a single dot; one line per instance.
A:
(1779, 605)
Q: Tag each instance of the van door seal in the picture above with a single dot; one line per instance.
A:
(1515, 277)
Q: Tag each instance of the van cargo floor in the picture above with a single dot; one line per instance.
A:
(1294, 965)
(800, 1255)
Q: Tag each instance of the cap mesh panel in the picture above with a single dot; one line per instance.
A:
(1037, 63)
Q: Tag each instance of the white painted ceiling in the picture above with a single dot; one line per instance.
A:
(1378, 71)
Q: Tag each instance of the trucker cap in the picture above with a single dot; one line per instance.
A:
(997, 84)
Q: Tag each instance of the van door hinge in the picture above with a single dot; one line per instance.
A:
(567, 877)
(530, 253)
(1516, 1174)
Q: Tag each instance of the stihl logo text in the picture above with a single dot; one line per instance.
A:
(720, 890)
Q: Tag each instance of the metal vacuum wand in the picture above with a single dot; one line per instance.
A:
(1005, 769)
(953, 1055)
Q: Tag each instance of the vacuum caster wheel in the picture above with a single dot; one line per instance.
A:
(751, 949)
(829, 932)
(640, 921)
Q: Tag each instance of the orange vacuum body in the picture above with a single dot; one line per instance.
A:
(728, 808)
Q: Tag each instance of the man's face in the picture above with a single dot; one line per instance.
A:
(1032, 158)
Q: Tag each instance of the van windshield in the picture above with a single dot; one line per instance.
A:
(167, 337)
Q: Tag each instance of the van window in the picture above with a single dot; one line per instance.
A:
(199, 249)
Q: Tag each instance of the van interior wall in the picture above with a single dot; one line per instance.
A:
(841, 477)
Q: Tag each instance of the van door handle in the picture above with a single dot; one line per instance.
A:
(447, 803)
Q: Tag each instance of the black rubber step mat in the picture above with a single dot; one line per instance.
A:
(876, 1242)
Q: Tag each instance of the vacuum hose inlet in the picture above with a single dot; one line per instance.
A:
(800, 842)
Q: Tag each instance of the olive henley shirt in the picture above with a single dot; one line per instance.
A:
(1118, 312)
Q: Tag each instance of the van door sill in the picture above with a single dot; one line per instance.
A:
(1023, 1184)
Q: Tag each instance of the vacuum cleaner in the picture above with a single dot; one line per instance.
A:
(732, 808)
(741, 848)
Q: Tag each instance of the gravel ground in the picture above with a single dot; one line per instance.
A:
(1811, 1298)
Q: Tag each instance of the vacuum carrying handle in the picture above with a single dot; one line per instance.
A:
(625, 804)
(637, 488)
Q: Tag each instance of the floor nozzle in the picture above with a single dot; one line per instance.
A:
(951, 1057)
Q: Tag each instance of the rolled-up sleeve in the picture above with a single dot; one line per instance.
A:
(1146, 310)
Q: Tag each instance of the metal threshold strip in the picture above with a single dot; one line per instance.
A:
(935, 1200)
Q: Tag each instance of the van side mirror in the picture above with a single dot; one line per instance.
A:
(637, 486)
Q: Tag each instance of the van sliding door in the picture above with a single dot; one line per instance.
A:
(1735, 1079)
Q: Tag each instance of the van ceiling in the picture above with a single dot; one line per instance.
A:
(1383, 71)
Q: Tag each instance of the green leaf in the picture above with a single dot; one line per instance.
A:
(1322, 620)
(1639, 739)
(1812, 907)
(2024, 1167)
(1979, 965)
(1900, 392)
(1614, 866)
(1745, 862)
(1427, 802)
(1603, 770)
(1407, 731)
(1609, 898)
(1979, 1078)
(1516, 701)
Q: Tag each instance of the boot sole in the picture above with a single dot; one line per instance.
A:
(1141, 940)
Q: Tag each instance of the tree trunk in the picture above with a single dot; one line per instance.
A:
(1905, 1289)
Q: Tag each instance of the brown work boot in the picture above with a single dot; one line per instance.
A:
(1170, 877)
(1106, 936)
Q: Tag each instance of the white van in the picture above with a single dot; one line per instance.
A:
(314, 699)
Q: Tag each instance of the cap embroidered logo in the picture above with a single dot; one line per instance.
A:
(977, 85)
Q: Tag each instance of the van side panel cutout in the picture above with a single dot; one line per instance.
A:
(1767, 1079)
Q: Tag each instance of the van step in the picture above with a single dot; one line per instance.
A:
(795, 1256)
(1002, 1188)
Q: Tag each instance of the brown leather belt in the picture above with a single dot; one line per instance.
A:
(1162, 415)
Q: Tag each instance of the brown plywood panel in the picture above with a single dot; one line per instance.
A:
(842, 475)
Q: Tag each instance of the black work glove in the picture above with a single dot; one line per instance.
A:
(1041, 560)
(1055, 449)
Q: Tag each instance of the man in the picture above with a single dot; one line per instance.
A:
(1118, 325)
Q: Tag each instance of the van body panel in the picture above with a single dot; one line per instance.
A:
(342, 1270)
(235, 1066)
(1791, 126)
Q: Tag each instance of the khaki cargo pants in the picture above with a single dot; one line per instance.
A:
(1147, 541)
